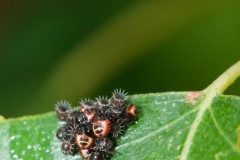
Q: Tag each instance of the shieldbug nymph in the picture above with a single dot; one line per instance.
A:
(83, 141)
(86, 103)
(116, 129)
(92, 128)
(62, 108)
(102, 104)
(132, 110)
(89, 113)
(118, 97)
(69, 147)
(85, 153)
(101, 128)
(61, 133)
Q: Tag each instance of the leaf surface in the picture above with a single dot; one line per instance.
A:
(172, 125)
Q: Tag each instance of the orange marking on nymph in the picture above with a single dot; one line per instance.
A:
(132, 110)
(84, 153)
(101, 128)
(83, 141)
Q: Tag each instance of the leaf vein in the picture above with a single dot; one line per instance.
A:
(157, 131)
(221, 132)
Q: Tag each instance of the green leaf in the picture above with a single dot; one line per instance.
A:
(172, 125)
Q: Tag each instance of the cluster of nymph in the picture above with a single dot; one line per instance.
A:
(92, 129)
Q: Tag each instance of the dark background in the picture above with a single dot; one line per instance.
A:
(59, 50)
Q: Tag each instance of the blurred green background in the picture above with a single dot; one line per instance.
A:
(59, 50)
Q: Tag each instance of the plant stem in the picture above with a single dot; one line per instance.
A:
(225, 80)
(218, 86)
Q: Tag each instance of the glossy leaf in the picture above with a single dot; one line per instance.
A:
(172, 125)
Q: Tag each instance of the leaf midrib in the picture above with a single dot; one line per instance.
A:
(218, 86)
